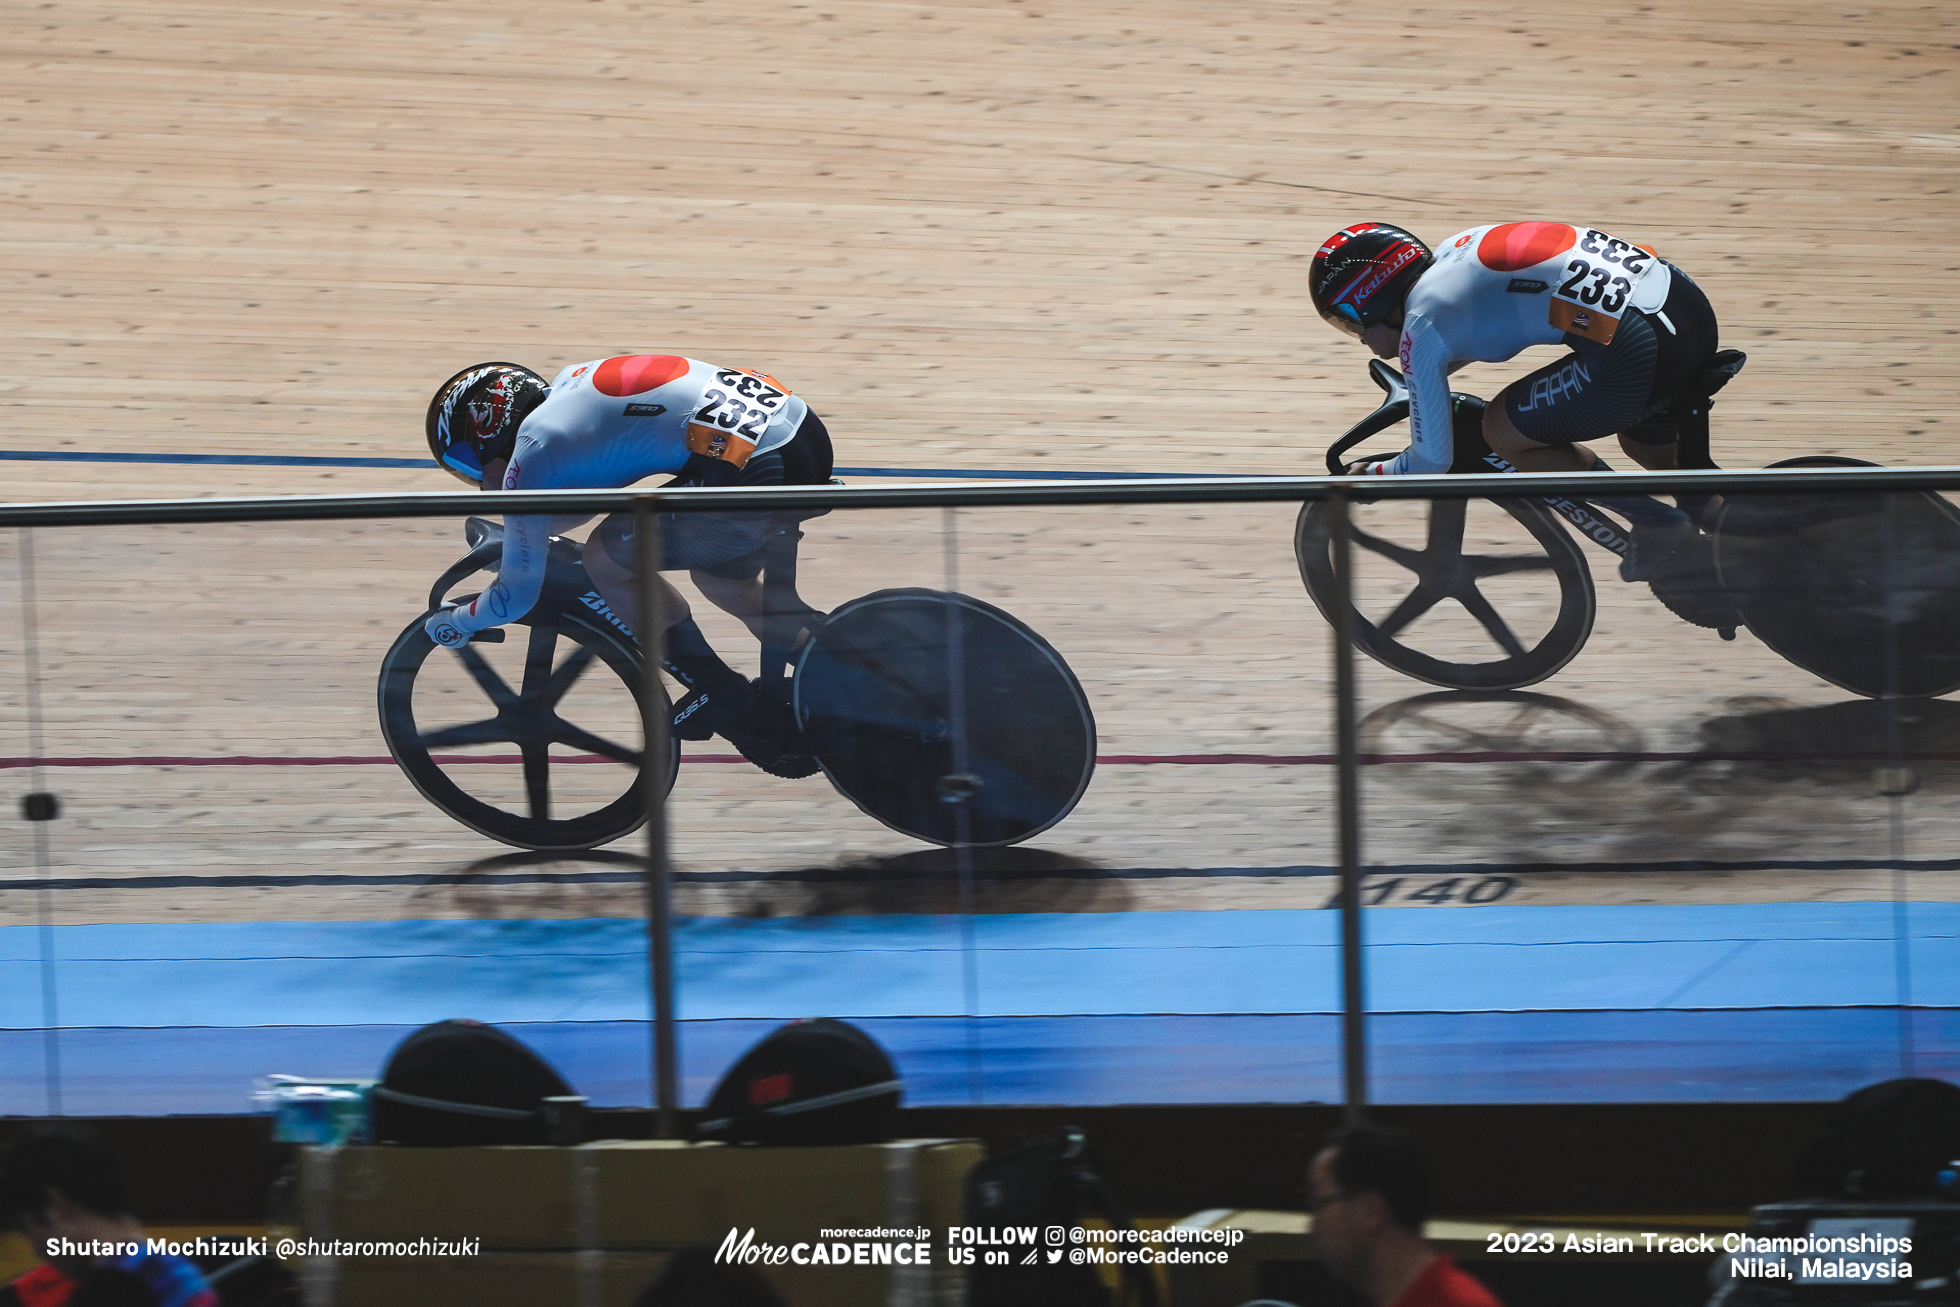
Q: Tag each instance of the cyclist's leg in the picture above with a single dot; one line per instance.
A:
(718, 546)
(691, 542)
(1655, 458)
(1592, 392)
(1528, 455)
(734, 586)
(618, 585)
(719, 691)
(1595, 391)
(740, 595)
(766, 731)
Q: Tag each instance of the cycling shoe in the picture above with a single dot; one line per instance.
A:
(765, 733)
(1653, 544)
(704, 713)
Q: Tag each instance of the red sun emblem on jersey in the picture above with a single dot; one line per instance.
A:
(1518, 245)
(636, 374)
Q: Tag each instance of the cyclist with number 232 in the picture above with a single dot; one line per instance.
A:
(606, 424)
(1638, 330)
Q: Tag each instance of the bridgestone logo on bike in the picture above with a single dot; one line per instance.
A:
(1592, 526)
(592, 600)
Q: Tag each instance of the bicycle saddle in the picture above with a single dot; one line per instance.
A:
(1685, 419)
(1721, 370)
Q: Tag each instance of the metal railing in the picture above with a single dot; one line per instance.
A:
(646, 505)
(1180, 490)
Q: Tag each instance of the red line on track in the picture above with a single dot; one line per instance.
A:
(1107, 760)
(329, 760)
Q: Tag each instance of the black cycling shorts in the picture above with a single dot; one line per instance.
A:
(728, 544)
(1602, 390)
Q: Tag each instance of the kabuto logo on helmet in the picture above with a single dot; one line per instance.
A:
(1363, 271)
(474, 416)
(1383, 273)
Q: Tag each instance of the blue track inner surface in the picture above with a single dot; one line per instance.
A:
(1497, 1004)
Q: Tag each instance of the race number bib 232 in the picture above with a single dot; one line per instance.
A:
(1599, 276)
(735, 409)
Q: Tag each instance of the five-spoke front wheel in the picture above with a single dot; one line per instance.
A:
(1474, 594)
(558, 697)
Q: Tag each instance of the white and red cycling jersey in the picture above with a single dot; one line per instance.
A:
(1497, 290)
(611, 422)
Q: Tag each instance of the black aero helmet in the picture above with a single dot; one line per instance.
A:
(474, 416)
(1362, 273)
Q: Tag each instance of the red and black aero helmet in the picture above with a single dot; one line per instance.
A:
(473, 418)
(1362, 273)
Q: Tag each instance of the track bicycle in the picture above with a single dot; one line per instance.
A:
(937, 714)
(1497, 594)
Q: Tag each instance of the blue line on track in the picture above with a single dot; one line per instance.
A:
(235, 460)
(299, 460)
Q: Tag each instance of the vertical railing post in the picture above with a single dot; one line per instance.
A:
(1896, 781)
(1354, 1010)
(38, 808)
(954, 788)
(654, 728)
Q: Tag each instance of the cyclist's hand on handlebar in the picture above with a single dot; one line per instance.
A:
(444, 629)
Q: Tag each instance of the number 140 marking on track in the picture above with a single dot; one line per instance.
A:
(1410, 889)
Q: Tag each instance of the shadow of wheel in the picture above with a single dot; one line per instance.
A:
(1860, 590)
(1561, 740)
(528, 717)
(945, 718)
(1439, 570)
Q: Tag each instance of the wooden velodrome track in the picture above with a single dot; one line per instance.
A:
(1000, 236)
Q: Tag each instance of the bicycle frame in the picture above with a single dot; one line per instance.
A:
(1472, 454)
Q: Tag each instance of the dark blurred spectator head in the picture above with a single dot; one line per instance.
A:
(1885, 1141)
(47, 1170)
(440, 1078)
(693, 1278)
(1368, 1190)
(1372, 1159)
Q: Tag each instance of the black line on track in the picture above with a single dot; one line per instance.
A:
(856, 875)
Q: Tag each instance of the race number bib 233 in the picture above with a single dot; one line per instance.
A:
(1599, 276)
(735, 409)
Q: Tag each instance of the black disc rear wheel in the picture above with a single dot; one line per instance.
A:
(1861, 590)
(945, 718)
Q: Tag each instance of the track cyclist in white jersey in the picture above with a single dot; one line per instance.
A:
(605, 424)
(1638, 330)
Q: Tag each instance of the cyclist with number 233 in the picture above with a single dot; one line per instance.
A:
(606, 424)
(1636, 328)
